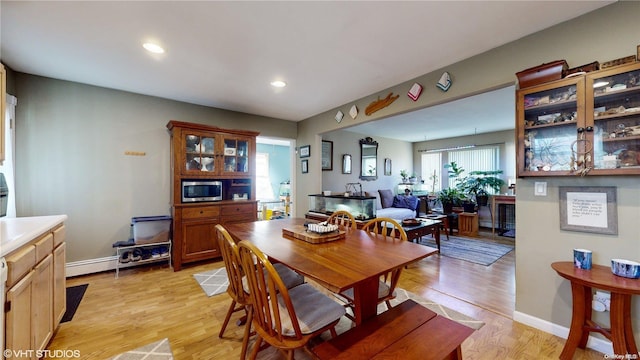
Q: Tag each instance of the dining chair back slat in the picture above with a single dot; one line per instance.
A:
(343, 218)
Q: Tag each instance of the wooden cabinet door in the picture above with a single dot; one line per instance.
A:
(59, 284)
(42, 302)
(199, 240)
(18, 327)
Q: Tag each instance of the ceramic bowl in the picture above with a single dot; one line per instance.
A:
(625, 268)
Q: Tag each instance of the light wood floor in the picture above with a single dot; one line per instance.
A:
(152, 302)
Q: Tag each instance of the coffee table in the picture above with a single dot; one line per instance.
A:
(443, 218)
(425, 227)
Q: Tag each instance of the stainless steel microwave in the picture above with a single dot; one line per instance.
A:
(201, 190)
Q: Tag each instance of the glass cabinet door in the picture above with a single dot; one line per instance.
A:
(548, 120)
(200, 153)
(236, 155)
(614, 102)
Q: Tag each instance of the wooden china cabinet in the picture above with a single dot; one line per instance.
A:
(582, 125)
(203, 152)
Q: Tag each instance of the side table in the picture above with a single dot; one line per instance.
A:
(468, 224)
(621, 288)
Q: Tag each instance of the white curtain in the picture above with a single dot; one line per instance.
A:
(8, 167)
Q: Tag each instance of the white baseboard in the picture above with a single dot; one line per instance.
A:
(91, 266)
(597, 344)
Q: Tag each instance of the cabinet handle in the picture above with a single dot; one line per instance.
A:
(589, 129)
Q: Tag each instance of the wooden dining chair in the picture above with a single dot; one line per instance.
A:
(343, 218)
(238, 289)
(239, 297)
(388, 229)
(284, 318)
(385, 226)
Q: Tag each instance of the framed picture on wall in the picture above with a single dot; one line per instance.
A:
(387, 167)
(327, 155)
(305, 166)
(346, 164)
(305, 151)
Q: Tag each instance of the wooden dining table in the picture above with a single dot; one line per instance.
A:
(355, 261)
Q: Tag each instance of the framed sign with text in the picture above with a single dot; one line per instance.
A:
(589, 209)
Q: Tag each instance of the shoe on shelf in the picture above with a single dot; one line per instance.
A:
(155, 252)
(146, 253)
(125, 257)
(136, 255)
(164, 250)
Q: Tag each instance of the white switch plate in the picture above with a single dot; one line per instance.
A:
(540, 188)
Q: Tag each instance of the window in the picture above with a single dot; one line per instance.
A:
(432, 171)
(264, 190)
(476, 159)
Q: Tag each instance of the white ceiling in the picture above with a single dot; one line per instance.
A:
(224, 54)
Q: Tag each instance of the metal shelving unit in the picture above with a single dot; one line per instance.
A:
(122, 249)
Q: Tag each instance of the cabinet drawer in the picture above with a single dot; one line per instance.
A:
(200, 212)
(19, 263)
(59, 235)
(235, 218)
(44, 247)
(238, 209)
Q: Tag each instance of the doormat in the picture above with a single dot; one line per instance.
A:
(160, 350)
(475, 251)
(74, 296)
(213, 282)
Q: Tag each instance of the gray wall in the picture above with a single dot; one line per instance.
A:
(70, 146)
(540, 292)
(347, 142)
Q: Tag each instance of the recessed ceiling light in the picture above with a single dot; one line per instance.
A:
(154, 48)
(278, 84)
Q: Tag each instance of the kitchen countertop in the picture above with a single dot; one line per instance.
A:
(15, 232)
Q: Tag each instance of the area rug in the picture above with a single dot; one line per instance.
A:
(74, 296)
(402, 295)
(475, 251)
(213, 282)
(160, 350)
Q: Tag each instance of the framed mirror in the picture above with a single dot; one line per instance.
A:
(346, 164)
(368, 159)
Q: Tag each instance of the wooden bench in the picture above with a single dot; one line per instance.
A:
(406, 331)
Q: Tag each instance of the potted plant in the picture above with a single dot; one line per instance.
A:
(478, 183)
(405, 176)
(449, 198)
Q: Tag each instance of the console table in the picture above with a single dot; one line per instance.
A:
(621, 288)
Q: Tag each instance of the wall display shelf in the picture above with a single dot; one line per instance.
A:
(583, 125)
(203, 152)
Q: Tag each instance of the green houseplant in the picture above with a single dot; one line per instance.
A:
(478, 183)
(449, 198)
(461, 197)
